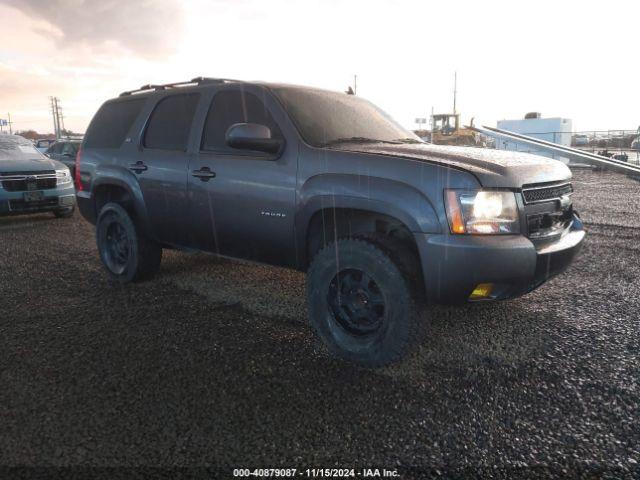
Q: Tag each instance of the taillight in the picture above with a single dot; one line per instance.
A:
(77, 179)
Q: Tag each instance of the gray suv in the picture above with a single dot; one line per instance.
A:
(382, 222)
(31, 182)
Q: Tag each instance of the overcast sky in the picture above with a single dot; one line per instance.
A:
(575, 59)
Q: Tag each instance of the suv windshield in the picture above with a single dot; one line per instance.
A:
(329, 118)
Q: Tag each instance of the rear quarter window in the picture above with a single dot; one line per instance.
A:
(111, 124)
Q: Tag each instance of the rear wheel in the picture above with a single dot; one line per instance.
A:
(360, 303)
(127, 255)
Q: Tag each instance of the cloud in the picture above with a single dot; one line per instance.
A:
(148, 28)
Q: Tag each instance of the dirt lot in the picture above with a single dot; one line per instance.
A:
(213, 365)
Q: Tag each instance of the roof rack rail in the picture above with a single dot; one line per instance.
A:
(193, 81)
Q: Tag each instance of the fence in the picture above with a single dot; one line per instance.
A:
(618, 144)
(602, 139)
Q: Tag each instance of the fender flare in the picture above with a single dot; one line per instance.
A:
(371, 194)
(115, 177)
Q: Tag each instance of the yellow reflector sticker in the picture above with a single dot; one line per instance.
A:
(483, 290)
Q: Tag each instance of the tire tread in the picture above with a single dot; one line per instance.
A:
(396, 350)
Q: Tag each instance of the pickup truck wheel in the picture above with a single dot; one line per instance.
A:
(65, 213)
(360, 304)
(127, 255)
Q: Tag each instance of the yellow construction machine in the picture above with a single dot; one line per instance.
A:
(446, 130)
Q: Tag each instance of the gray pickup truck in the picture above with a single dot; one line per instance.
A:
(383, 223)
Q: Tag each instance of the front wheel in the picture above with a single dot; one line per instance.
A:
(125, 252)
(360, 303)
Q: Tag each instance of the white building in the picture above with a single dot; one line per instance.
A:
(556, 130)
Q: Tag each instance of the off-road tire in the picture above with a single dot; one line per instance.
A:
(143, 255)
(399, 328)
(406, 259)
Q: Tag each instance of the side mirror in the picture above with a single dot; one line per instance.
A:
(252, 136)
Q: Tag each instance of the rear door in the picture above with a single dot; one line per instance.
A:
(247, 209)
(161, 165)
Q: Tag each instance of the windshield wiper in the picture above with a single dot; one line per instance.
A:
(337, 141)
(408, 140)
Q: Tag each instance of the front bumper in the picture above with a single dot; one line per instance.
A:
(453, 265)
(59, 198)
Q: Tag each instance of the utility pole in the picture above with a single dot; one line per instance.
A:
(61, 121)
(58, 119)
(55, 116)
(10, 123)
(355, 84)
(58, 114)
(455, 90)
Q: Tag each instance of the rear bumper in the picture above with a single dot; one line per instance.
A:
(454, 265)
(12, 203)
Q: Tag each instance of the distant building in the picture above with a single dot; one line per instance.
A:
(555, 130)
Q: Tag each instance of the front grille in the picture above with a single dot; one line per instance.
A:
(548, 210)
(22, 206)
(25, 181)
(25, 185)
(543, 193)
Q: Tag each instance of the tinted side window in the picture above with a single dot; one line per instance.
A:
(69, 149)
(55, 148)
(234, 106)
(170, 122)
(112, 122)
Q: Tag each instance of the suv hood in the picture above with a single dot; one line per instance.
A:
(492, 168)
(17, 154)
(28, 165)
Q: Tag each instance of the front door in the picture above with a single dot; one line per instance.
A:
(242, 202)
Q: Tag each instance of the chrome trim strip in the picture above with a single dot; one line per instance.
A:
(548, 185)
(47, 176)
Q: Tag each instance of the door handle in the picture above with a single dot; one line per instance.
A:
(138, 167)
(204, 174)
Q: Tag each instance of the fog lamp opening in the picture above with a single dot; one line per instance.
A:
(482, 291)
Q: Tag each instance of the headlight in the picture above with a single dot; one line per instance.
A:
(482, 212)
(63, 176)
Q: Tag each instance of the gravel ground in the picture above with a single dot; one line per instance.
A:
(213, 365)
